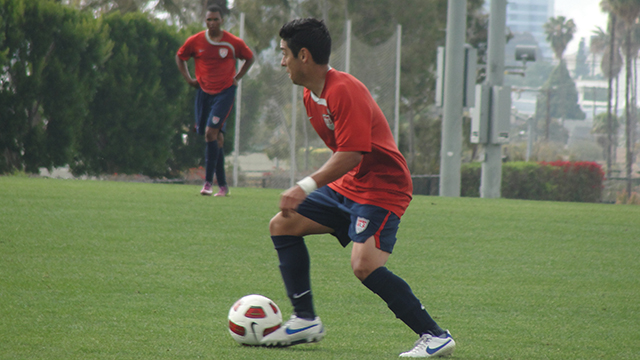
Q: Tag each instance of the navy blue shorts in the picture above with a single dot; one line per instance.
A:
(350, 220)
(213, 110)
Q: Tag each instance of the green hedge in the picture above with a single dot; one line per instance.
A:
(558, 181)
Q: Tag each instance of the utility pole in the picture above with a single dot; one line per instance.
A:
(451, 148)
(547, 122)
(238, 105)
(612, 30)
(531, 131)
(491, 178)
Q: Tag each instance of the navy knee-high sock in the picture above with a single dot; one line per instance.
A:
(401, 300)
(294, 267)
(220, 174)
(211, 156)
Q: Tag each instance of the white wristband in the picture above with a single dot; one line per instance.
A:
(308, 185)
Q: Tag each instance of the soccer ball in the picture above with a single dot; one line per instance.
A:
(253, 317)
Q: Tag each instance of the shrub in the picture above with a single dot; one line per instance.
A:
(470, 179)
(526, 180)
(576, 181)
(558, 181)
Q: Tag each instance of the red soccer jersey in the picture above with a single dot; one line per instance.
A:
(215, 61)
(348, 119)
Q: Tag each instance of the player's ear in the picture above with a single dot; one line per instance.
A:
(304, 55)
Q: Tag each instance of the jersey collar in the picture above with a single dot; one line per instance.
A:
(221, 43)
(319, 100)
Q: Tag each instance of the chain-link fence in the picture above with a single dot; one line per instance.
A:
(272, 150)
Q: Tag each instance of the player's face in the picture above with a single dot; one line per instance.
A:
(290, 62)
(214, 21)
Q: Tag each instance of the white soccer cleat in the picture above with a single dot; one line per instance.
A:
(432, 346)
(295, 331)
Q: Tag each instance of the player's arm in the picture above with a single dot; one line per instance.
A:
(340, 163)
(243, 70)
(184, 70)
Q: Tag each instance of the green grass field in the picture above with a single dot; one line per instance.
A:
(112, 270)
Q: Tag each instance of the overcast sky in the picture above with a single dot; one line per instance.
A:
(586, 15)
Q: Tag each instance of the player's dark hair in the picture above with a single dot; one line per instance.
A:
(308, 33)
(216, 8)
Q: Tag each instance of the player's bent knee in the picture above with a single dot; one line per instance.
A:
(362, 273)
(279, 225)
(362, 269)
(275, 225)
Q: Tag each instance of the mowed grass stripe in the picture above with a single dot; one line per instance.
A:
(112, 270)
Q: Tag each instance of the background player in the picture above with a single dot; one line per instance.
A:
(215, 52)
(358, 195)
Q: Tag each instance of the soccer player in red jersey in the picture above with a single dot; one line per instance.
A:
(215, 53)
(358, 195)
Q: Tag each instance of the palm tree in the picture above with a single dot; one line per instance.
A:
(605, 127)
(559, 32)
(628, 11)
(606, 43)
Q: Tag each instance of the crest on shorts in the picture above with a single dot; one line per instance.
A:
(361, 224)
(215, 120)
(223, 52)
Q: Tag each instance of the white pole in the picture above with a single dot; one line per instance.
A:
(451, 147)
(292, 138)
(531, 128)
(396, 129)
(347, 58)
(491, 176)
(236, 139)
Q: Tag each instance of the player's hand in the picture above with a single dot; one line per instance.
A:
(194, 83)
(290, 199)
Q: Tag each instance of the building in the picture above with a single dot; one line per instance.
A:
(529, 16)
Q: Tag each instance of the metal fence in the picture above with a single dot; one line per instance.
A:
(274, 142)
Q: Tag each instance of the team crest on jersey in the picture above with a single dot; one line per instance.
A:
(223, 52)
(361, 224)
(328, 121)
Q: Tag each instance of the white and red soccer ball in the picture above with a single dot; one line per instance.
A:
(253, 317)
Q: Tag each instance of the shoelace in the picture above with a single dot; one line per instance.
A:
(290, 321)
(422, 343)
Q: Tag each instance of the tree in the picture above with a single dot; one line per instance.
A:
(559, 32)
(628, 11)
(582, 67)
(11, 12)
(139, 114)
(129, 94)
(179, 12)
(558, 97)
(373, 22)
(601, 44)
(605, 43)
(52, 56)
(422, 23)
(602, 127)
